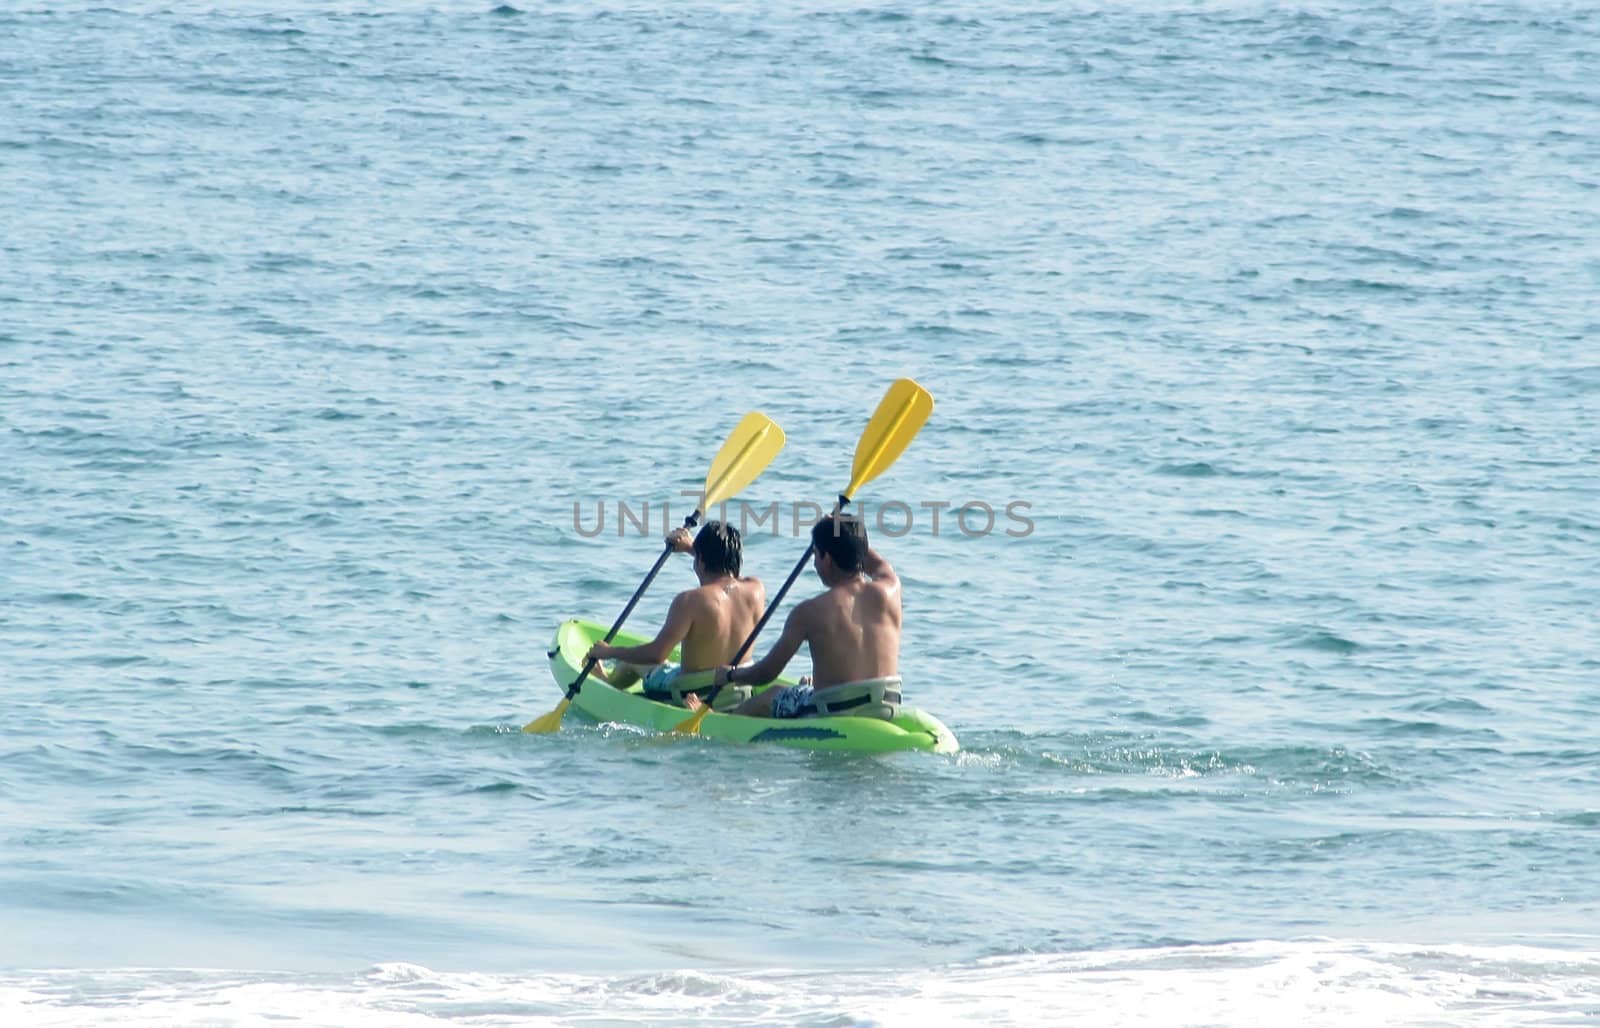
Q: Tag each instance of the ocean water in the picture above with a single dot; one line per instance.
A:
(1278, 323)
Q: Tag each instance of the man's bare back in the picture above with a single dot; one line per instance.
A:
(721, 616)
(853, 629)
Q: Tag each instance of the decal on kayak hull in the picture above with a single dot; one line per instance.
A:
(781, 734)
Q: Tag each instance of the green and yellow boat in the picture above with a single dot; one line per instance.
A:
(907, 729)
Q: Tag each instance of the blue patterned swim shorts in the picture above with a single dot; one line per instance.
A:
(790, 700)
(659, 679)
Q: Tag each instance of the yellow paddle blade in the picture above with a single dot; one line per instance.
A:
(691, 725)
(899, 417)
(749, 449)
(550, 722)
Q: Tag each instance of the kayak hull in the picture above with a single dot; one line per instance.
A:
(912, 729)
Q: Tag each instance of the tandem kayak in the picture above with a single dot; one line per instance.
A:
(910, 729)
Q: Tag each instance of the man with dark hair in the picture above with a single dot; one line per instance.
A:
(852, 628)
(711, 621)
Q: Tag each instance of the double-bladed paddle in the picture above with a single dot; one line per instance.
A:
(748, 450)
(899, 417)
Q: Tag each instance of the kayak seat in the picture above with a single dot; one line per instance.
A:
(870, 697)
(699, 683)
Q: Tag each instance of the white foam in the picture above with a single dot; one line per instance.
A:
(1307, 982)
(1267, 983)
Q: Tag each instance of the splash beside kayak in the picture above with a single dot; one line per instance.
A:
(911, 729)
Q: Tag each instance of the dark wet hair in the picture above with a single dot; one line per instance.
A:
(718, 546)
(842, 538)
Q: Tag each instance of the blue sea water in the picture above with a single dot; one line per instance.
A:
(318, 319)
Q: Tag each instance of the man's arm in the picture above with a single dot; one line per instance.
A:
(673, 631)
(878, 569)
(777, 658)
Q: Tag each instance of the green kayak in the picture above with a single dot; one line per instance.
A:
(910, 729)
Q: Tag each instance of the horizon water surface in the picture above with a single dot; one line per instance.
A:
(317, 319)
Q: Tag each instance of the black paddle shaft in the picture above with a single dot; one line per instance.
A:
(616, 626)
(772, 607)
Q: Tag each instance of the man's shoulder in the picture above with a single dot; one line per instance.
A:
(878, 585)
(692, 598)
(806, 607)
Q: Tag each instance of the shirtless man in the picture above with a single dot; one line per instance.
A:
(711, 620)
(853, 629)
